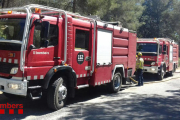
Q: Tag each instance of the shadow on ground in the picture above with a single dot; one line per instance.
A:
(116, 106)
(148, 77)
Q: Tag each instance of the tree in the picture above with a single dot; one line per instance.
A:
(159, 19)
(125, 11)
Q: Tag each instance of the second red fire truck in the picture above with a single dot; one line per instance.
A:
(53, 52)
(160, 55)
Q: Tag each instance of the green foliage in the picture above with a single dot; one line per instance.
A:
(161, 18)
(127, 12)
(150, 18)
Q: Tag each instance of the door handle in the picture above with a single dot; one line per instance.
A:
(88, 58)
(57, 57)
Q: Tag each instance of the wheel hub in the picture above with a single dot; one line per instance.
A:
(116, 82)
(62, 93)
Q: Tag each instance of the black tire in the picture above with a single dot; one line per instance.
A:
(174, 68)
(57, 94)
(162, 73)
(116, 83)
(171, 73)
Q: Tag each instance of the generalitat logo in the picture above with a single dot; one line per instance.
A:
(12, 108)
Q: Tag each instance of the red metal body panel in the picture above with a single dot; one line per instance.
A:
(176, 53)
(120, 42)
(120, 34)
(102, 75)
(132, 51)
(120, 60)
(118, 51)
(70, 42)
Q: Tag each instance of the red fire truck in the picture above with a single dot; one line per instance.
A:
(51, 52)
(160, 55)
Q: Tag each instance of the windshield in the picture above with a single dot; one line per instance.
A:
(146, 47)
(11, 29)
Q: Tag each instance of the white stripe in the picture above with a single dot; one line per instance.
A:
(42, 77)
(99, 83)
(84, 75)
(102, 24)
(104, 82)
(109, 80)
(35, 77)
(28, 77)
(119, 28)
(96, 83)
(88, 75)
(16, 61)
(4, 60)
(80, 75)
(0, 59)
(77, 76)
(10, 60)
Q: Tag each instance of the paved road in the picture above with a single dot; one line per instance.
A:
(155, 100)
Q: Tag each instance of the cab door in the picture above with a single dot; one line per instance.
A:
(82, 54)
(40, 58)
(165, 54)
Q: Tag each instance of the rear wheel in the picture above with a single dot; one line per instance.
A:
(171, 73)
(57, 94)
(116, 83)
(174, 68)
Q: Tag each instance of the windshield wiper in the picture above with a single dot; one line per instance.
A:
(12, 41)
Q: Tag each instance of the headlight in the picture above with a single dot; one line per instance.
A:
(15, 86)
(14, 70)
(153, 63)
(153, 69)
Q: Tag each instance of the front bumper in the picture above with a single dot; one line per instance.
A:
(4, 86)
(152, 69)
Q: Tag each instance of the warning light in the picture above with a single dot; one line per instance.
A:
(11, 54)
(9, 12)
(37, 10)
(55, 70)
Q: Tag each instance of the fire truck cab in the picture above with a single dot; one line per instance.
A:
(160, 55)
(51, 52)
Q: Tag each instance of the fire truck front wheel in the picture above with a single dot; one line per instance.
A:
(162, 72)
(57, 93)
(116, 83)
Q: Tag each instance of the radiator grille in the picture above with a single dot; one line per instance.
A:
(148, 62)
(6, 67)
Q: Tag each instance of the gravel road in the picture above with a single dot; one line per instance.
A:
(155, 100)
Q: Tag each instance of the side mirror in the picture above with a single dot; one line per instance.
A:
(46, 43)
(164, 47)
(45, 29)
(32, 47)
